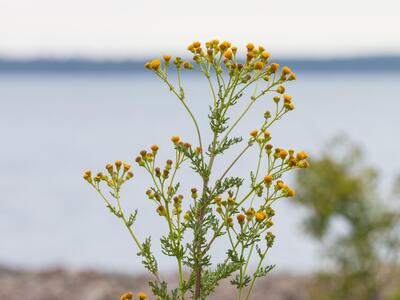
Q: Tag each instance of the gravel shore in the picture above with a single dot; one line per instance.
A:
(64, 284)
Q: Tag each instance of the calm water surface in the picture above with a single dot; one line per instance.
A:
(52, 127)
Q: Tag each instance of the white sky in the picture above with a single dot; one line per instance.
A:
(131, 28)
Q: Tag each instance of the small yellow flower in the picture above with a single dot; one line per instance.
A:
(289, 106)
(228, 55)
(254, 133)
(224, 45)
(290, 192)
(175, 139)
(258, 65)
(167, 58)
(280, 89)
(274, 67)
(250, 46)
(302, 155)
(87, 175)
(118, 164)
(142, 296)
(109, 168)
(187, 65)
(154, 148)
(280, 184)
(265, 55)
(126, 167)
(267, 134)
(241, 218)
(260, 216)
(283, 154)
(127, 296)
(268, 179)
(292, 76)
(287, 98)
(196, 44)
(276, 99)
(286, 70)
(155, 64)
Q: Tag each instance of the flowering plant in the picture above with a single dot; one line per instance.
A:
(220, 207)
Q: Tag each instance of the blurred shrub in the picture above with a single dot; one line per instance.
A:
(358, 231)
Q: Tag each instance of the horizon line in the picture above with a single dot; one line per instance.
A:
(84, 64)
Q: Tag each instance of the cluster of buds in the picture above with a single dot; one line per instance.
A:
(118, 174)
(129, 296)
(157, 66)
(257, 60)
(147, 156)
(260, 137)
(177, 204)
(153, 195)
(270, 238)
(286, 98)
(288, 157)
(263, 216)
(229, 203)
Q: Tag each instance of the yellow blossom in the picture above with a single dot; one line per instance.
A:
(127, 296)
(155, 64)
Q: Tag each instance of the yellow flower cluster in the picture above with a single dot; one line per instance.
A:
(129, 296)
(117, 175)
(257, 59)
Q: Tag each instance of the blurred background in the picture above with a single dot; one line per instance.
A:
(74, 95)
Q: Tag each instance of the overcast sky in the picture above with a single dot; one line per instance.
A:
(131, 28)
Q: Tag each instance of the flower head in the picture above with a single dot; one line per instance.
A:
(127, 296)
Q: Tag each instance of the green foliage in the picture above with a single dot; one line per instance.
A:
(341, 187)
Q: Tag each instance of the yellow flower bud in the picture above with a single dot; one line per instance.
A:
(258, 65)
(290, 192)
(87, 175)
(286, 70)
(302, 155)
(292, 76)
(274, 67)
(167, 58)
(260, 216)
(118, 164)
(283, 154)
(155, 64)
(175, 139)
(268, 179)
(196, 44)
(287, 98)
(265, 55)
(228, 55)
(241, 218)
(254, 133)
(154, 148)
(127, 296)
(280, 89)
(126, 167)
(142, 296)
(280, 184)
(250, 46)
